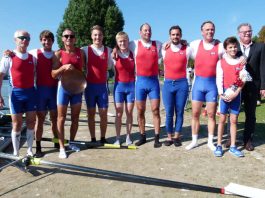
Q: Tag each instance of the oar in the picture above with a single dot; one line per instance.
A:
(91, 145)
(118, 175)
(232, 188)
(12, 163)
(87, 144)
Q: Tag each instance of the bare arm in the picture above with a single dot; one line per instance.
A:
(57, 70)
(2, 103)
(83, 59)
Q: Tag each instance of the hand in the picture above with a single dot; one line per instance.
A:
(2, 102)
(68, 67)
(184, 42)
(9, 53)
(114, 53)
(262, 93)
(166, 45)
(242, 60)
(231, 97)
(224, 97)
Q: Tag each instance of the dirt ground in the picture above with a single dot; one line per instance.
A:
(182, 169)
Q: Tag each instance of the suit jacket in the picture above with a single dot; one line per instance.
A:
(256, 64)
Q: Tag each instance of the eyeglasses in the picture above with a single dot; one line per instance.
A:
(245, 32)
(69, 36)
(27, 38)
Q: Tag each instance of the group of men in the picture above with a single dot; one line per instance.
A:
(96, 59)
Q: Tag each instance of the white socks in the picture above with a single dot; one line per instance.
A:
(30, 138)
(62, 154)
(210, 142)
(128, 140)
(193, 143)
(117, 142)
(15, 136)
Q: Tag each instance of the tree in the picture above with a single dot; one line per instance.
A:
(261, 35)
(81, 15)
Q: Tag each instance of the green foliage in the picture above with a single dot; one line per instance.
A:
(261, 35)
(81, 15)
(255, 39)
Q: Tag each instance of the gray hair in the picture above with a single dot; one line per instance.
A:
(244, 24)
(16, 34)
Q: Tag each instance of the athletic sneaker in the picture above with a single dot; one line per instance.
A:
(218, 151)
(211, 146)
(74, 148)
(29, 153)
(234, 151)
(128, 140)
(117, 142)
(62, 154)
(191, 145)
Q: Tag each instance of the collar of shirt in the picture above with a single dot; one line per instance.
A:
(20, 55)
(98, 51)
(175, 48)
(124, 54)
(245, 48)
(146, 45)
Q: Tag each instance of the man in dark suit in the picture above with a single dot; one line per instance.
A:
(255, 56)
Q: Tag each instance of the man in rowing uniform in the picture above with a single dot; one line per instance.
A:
(70, 58)
(98, 60)
(124, 88)
(147, 53)
(21, 68)
(46, 88)
(206, 53)
(175, 89)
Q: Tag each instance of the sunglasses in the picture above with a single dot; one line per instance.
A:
(27, 38)
(69, 36)
(245, 32)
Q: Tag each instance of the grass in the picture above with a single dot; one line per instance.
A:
(259, 134)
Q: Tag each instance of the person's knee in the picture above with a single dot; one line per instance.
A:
(196, 114)
(222, 121)
(233, 121)
(211, 115)
(156, 112)
(17, 126)
(61, 119)
(119, 114)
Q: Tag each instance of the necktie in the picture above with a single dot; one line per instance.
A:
(244, 51)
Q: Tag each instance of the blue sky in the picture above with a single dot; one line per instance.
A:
(36, 15)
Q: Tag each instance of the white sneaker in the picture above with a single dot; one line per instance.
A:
(191, 145)
(74, 148)
(62, 154)
(16, 153)
(117, 142)
(29, 153)
(211, 146)
(128, 140)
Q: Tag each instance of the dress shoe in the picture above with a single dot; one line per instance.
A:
(249, 146)
(177, 142)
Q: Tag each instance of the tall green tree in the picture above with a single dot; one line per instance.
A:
(81, 15)
(261, 35)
